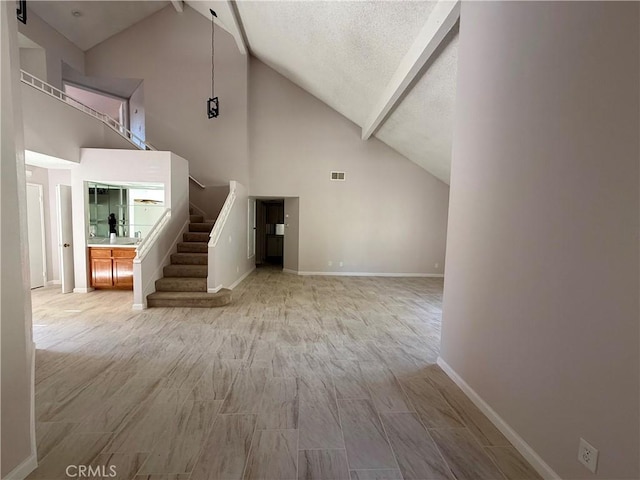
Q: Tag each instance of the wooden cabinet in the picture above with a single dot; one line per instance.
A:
(275, 246)
(275, 213)
(112, 267)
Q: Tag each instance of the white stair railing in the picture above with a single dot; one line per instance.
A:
(147, 242)
(116, 126)
(113, 124)
(214, 277)
(214, 236)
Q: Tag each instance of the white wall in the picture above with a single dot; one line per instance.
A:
(228, 262)
(171, 52)
(40, 176)
(291, 234)
(389, 216)
(34, 61)
(49, 178)
(18, 434)
(59, 130)
(149, 269)
(56, 177)
(541, 286)
(58, 48)
(136, 112)
(113, 166)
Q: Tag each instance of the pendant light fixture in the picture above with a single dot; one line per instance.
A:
(213, 109)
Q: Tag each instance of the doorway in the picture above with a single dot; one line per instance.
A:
(115, 107)
(35, 225)
(270, 232)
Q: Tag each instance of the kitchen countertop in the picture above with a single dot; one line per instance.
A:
(121, 242)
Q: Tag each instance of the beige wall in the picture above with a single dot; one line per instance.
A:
(58, 48)
(389, 216)
(34, 61)
(59, 130)
(172, 53)
(209, 200)
(15, 305)
(228, 262)
(291, 234)
(541, 286)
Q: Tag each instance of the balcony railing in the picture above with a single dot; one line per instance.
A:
(116, 126)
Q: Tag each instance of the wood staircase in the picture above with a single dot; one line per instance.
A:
(184, 283)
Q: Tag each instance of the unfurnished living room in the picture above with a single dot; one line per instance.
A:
(323, 240)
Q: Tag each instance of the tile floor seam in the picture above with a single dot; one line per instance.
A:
(429, 434)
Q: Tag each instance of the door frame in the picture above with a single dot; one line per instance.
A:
(42, 230)
(70, 286)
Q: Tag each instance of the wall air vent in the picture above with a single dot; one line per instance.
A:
(337, 176)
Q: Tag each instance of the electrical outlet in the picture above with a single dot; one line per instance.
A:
(341, 264)
(588, 455)
(330, 263)
(436, 265)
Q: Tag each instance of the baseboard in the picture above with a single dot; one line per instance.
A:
(245, 275)
(138, 306)
(24, 469)
(371, 274)
(51, 283)
(214, 290)
(83, 290)
(288, 270)
(523, 447)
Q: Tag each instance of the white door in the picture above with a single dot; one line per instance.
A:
(35, 225)
(65, 237)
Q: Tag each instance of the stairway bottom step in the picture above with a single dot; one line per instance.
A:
(181, 284)
(189, 299)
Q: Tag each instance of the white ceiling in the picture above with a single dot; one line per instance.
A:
(345, 53)
(342, 52)
(98, 21)
(421, 127)
(100, 103)
(37, 159)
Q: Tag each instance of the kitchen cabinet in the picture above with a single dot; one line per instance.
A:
(275, 246)
(112, 267)
(275, 213)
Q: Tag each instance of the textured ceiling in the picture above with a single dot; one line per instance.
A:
(98, 21)
(344, 53)
(421, 127)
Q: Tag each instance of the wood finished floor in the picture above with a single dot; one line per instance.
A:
(299, 378)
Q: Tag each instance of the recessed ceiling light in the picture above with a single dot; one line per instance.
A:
(76, 13)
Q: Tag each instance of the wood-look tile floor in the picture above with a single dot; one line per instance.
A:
(299, 378)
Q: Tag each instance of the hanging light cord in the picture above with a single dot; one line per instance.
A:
(213, 52)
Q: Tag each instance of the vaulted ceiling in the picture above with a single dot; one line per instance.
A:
(390, 67)
(88, 23)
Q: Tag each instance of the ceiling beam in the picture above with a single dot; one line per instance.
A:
(441, 20)
(178, 5)
(240, 35)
